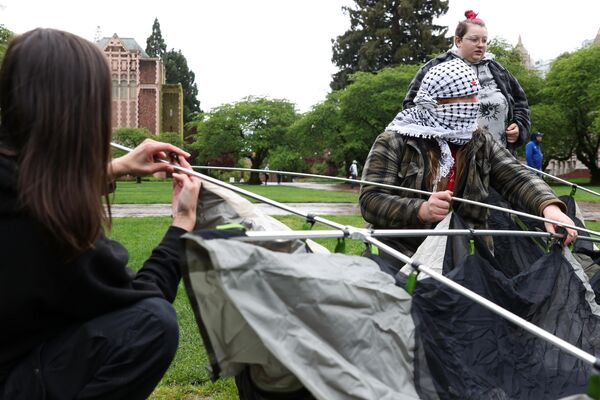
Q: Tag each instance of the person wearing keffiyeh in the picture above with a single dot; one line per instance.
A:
(504, 110)
(437, 147)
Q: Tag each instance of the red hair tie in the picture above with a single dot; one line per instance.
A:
(470, 14)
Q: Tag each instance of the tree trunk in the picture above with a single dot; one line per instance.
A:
(254, 178)
(595, 176)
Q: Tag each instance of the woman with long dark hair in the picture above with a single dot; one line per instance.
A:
(76, 323)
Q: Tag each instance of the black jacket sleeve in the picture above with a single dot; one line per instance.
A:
(517, 100)
(415, 84)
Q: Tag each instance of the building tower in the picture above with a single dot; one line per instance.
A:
(525, 57)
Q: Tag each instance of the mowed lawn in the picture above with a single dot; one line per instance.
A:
(159, 192)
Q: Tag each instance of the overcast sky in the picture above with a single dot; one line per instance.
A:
(282, 48)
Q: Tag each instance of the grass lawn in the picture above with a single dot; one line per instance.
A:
(580, 195)
(159, 192)
(187, 377)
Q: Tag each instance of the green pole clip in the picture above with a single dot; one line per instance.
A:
(472, 242)
(573, 190)
(310, 222)
(231, 226)
(374, 250)
(411, 280)
(340, 247)
(593, 388)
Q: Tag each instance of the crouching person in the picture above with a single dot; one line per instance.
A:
(76, 323)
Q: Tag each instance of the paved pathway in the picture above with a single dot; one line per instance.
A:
(591, 211)
(157, 210)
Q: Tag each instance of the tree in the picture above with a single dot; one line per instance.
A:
(367, 106)
(177, 71)
(170, 137)
(250, 128)
(155, 44)
(573, 84)
(318, 130)
(510, 58)
(388, 32)
(552, 121)
(5, 36)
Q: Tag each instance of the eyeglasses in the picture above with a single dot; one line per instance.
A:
(476, 39)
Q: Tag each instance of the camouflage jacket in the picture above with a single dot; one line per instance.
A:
(403, 161)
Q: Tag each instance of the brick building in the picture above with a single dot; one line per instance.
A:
(140, 98)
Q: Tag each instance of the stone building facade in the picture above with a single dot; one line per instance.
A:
(138, 87)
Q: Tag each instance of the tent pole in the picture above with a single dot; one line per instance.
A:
(359, 234)
(410, 190)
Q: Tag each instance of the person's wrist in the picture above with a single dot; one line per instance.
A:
(185, 221)
(117, 169)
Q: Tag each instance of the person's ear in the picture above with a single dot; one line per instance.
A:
(457, 41)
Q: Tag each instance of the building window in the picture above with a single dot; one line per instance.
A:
(132, 89)
(123, 90)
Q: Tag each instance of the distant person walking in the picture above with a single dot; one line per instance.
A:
(267, 174)
(353, 170)
(533, 151)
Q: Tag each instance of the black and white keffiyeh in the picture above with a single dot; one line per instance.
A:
(454, 122)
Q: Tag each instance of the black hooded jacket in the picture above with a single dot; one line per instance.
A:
(41, 295)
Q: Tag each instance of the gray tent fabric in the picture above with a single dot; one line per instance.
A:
(338, 323)
(220, 206)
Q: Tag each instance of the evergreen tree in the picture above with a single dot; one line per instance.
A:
(155, 44)
(177, 71)
(386, 33)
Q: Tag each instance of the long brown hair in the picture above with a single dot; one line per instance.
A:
(55, 110)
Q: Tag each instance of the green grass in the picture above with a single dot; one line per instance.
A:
(187, 377)
(159, 192)
(580, 195)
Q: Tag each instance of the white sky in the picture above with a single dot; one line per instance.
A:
(282, 48)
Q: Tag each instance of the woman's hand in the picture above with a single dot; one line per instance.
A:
(512, 133)
(143, 160)
(553, 212)
(436, 207)
(185, 198)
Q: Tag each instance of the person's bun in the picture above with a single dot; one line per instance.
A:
(470, 14)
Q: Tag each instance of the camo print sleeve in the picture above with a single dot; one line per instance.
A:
(392, 162)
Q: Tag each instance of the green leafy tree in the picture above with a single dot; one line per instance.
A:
(170, 137)
(250, 129)
(552, 121)
(155, 44)
(573, 84)
(367, 106)
(285, 158)
(177, 71)
(5, 36)
(388, 32)
(509, 57)
(317, 131)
